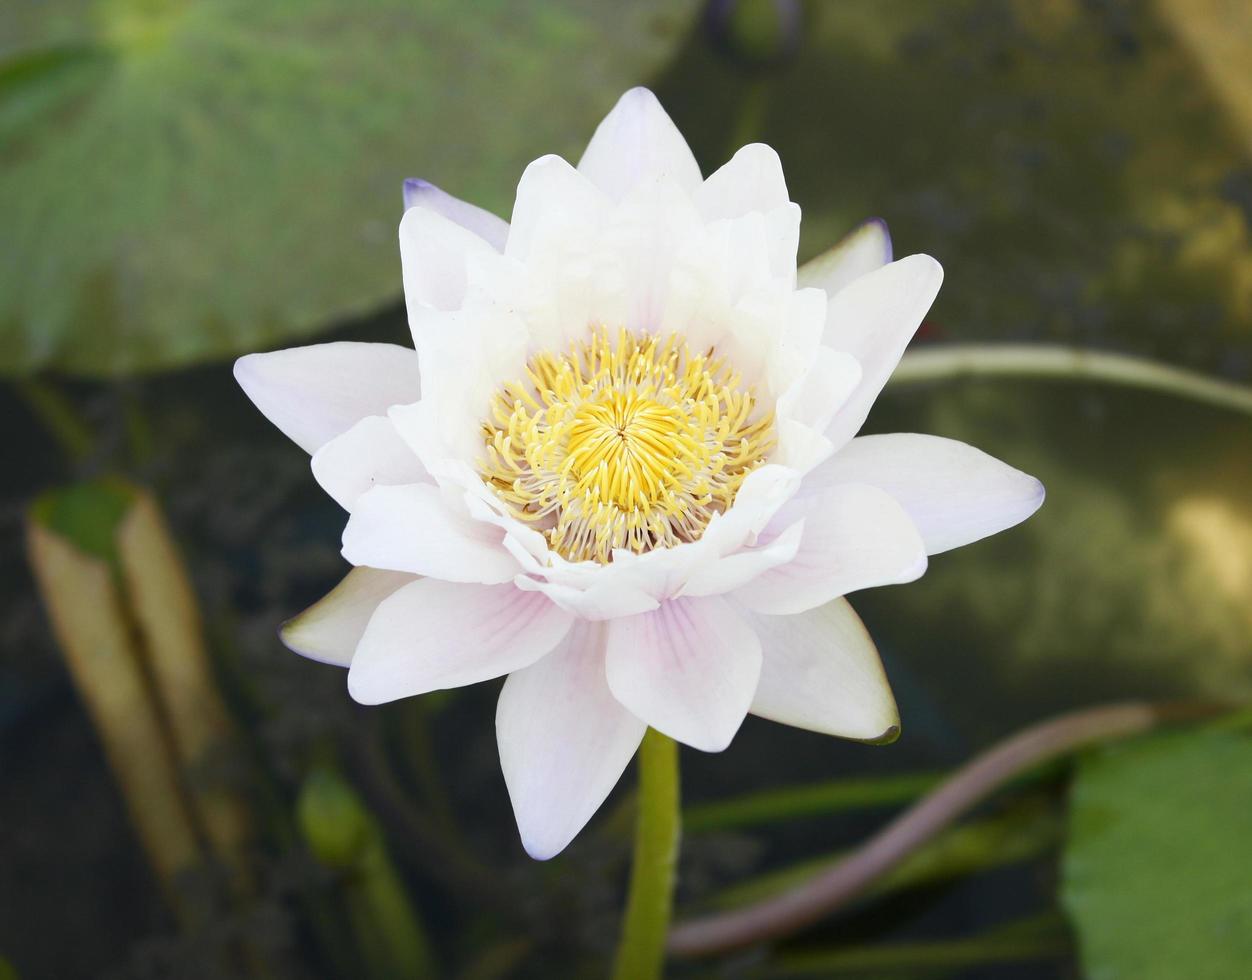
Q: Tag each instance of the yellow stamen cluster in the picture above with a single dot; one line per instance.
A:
(626, 441)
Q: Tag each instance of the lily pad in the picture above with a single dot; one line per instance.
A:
(184, 180)
(1156, 869)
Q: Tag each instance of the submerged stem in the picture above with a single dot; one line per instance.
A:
(641, 950)
(784, 914)
(947, 361)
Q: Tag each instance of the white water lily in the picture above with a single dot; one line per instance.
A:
(621, 465)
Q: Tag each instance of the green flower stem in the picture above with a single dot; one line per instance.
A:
(1039, 361)
(641, 952)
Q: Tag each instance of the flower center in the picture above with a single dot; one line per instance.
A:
(623, 442)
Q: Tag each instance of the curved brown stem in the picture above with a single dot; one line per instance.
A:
(791, 911)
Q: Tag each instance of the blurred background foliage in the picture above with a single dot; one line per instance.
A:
(185, 181)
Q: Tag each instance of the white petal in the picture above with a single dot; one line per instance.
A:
(638, 142)
(329, 630)
(873, 319)
(954, 493)
(821, 672)
(752, 180)
(594, 603)
(688, 669)
(866, 248)
(316, 393)
(433, 635)
(832, 378)
(412, 529)
(369, 454)
(739, 569)
(554, 203)
(855, 537)
(564, 740)
(487, 226)
(436, 255)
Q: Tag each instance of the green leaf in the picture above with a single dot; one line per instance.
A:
(1156, 871)
(87, 514)
(184, 180)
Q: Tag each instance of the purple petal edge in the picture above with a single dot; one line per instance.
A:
(491, 228)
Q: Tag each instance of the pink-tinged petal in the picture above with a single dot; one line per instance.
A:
(638, 142)
(369, 454)
(866, 248)
(329, 630)
(313, 394)
(821, 672)
(597, 602)
(689, 669)
(436, 256)
(752, 180)
(412, 529)
(432, 635)
(490, 228)
(873, 319)
(564, 740)
(855, 537)
(954, 494)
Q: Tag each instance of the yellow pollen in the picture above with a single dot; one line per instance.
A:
(626, 441)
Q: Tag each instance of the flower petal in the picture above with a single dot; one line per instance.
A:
(689, 669)
(855, 537)
(554, 204)
(433, 635)
(316, 393)
(635, 142)
(598, 602)
(954, 494)
(821, 672)
(815, 399)
(329, 630)
(865, 248)
(413, 529)
(436, 257)
(369, 454)
(752, 180)
(873, 318)
(736, 570)
(564, 740)
(490, 228)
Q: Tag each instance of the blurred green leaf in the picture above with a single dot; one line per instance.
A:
(1070, 163)
(87, 514)
(1156, 870)
(187, 180)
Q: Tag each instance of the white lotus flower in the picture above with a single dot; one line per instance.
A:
(621, 468)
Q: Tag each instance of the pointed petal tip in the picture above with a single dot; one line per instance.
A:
(886, 738)
(641, 94)
(362, 690)
(879, 226)
(542, 850)
(245, 369)
(413, 186)
(1040, 494)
